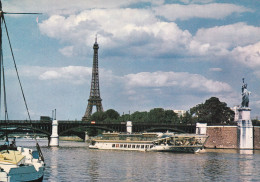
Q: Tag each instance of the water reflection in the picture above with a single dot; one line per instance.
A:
(93, 168)
(245, 164)
(248, 152)
(215, 166)
(53, 163)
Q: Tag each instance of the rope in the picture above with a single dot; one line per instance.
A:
(19, 80)
(18, 77)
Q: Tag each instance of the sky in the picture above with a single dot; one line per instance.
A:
(171, 54)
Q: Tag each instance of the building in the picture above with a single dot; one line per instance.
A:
(235, 109)
(180, 112)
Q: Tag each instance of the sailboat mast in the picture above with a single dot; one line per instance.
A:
(1, 53)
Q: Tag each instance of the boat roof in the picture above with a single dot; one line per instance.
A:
(11, 156)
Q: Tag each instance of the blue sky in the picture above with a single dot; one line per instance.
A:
(152, 53)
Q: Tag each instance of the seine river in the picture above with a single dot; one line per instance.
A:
(73, 161)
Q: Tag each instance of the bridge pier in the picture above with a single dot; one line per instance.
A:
(54, 139)
(201, 128)
(129, 127)
(86, 136)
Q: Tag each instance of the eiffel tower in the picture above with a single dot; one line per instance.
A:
(94, 98)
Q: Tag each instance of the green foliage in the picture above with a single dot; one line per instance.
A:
(156, 115)
(98, 116)
(256, 122)
(112, 114)
(139, 116)
(212, 111)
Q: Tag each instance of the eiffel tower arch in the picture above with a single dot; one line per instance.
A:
(94, 97)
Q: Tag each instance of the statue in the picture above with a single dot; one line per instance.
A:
(245, 95)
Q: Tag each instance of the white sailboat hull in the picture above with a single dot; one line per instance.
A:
(22, 167)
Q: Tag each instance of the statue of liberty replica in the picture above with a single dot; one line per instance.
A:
(245, 95)
(245, 127)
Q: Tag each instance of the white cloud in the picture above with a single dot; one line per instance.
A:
(72, 74)
(228, 36)
(184, 12)
(67, 51)
(222, 40)
(63, 7)
(248, 55)
(134, 29)
(215, 69)
(180, 80)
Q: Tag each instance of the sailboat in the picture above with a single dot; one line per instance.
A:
(16, 163)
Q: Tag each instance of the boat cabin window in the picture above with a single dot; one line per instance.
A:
(121, 145)
(125, 146)
(133, 146)
(113, 145)
(137, 146)
(129, 146)
(142, 146)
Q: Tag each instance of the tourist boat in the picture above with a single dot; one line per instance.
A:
(161, 142)
(16, 163)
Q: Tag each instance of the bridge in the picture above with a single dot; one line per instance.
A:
(78, 128)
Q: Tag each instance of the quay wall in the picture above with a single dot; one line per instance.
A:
(256, 137)
(226, 137)
(222, 137)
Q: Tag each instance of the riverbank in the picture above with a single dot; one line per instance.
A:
(71, 138)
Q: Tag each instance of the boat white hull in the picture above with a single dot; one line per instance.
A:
(182, 149)
(24, 173)
(27, 169)
(122, 146)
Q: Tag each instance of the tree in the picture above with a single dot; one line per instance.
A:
(156, 115)
(213, 111)
(98, 116)
(170, 116)
(187, 118)
(139, 116)
(112, 114)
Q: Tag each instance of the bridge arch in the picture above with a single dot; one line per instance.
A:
(62, 132)
(22, 129)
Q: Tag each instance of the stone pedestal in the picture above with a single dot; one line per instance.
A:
(54, 139)
(245, 129)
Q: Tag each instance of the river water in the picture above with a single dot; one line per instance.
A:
(73, 161)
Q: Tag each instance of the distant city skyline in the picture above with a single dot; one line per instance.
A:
(152, 54)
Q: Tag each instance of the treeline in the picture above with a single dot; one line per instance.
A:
(154, 116)
(212, 111)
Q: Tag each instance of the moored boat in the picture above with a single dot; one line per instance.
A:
(20, 164)
(167, 142)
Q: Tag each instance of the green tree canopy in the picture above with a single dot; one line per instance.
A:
(98, 116)
(156, 115)
(112, 114)
(213, 111)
